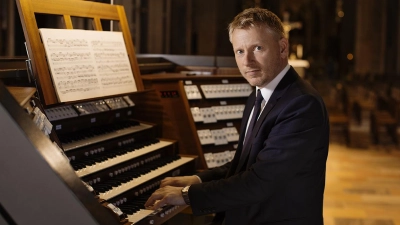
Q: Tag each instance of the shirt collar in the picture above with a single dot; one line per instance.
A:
(267, 90)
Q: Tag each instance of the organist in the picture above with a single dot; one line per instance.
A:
(278, 173)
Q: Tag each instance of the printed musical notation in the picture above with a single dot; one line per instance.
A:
(115, 81)
(111, 55)
(113, 68)
(70, 56)
(79, 90)
(107, 44)
(75, 72)
(94, 65)
(70, 43)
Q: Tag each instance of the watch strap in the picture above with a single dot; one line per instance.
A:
(185, 194)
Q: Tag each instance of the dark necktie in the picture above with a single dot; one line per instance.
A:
(256, 113)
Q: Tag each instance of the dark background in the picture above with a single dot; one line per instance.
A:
(340, 38)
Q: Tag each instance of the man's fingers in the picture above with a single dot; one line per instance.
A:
(167, 182)
(166, 195)
(152, 200)
(150, 204)
(164, 183)
(159, 204)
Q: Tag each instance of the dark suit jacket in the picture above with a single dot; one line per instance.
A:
(282, 178)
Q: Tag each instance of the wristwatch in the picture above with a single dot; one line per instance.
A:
(185, 194)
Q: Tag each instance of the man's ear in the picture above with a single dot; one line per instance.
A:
(284, 47)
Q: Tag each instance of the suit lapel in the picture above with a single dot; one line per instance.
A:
(280, 89)
(246, 117)
(246, 113)
(246, 149)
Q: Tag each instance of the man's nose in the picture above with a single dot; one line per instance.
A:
(248, 58)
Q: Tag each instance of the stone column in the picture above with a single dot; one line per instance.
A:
(370, 37)
(10, 47)
(398, 42)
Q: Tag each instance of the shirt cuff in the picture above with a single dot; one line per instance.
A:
(198, 178)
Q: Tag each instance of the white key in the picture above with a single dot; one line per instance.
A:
(144, 178)
(141, 214)
(122, 158)
(104, 137)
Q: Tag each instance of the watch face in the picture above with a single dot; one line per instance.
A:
(185, 195)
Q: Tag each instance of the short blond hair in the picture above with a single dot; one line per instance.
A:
(257, 17)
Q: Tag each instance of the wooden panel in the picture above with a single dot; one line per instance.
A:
(22, 94)
(178, 123)
(68, 22)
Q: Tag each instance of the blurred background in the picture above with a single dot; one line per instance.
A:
(341, 39)
(349, 50)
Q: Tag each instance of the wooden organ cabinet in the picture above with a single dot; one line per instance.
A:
(87, 161)
(206, 113)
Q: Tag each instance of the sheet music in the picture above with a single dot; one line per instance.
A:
(87, 64)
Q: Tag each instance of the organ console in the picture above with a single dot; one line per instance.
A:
(89, 161)
(120, 161)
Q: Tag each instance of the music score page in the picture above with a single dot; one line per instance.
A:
(87, 64)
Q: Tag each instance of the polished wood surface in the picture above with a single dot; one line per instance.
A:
(67, 9)
(178, 122)
(22, 94)
(362, 185)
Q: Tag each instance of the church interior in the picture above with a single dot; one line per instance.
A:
(348, 50)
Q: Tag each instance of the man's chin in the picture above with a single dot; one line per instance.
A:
(253, 82)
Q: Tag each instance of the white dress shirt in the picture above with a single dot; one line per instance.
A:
(267, 91)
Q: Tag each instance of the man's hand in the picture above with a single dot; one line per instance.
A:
(167, 195)
(179, 181)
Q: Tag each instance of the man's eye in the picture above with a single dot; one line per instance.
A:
(239, 52)
(258, 48)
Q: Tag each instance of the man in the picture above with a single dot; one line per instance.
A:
(278, 173)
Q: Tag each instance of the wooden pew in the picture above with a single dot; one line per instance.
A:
(336, 101)
(385, 115)
(339, 111)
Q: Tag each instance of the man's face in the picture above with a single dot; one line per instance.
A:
(259, 54)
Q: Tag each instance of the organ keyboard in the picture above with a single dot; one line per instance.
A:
(97, 166)
(119, 157)
(100, 134)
